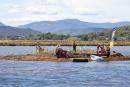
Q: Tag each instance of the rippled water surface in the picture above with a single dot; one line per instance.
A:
(62, 74)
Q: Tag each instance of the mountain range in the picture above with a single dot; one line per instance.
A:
(12, 31)
(66, 26)
(53, 26)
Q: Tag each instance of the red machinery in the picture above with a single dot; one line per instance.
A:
(61, 53)
(100, 51)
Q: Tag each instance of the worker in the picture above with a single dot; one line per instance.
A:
(56, 49)
(107, 51)
(74, 46)
(39, 48)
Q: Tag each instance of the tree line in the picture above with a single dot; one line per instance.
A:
(122, 34)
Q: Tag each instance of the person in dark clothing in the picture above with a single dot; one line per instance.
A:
(107, 51)
(74, 46)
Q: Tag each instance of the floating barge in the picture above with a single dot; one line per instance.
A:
(79, 59)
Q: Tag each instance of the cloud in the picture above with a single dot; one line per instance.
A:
(23, 19)
(33, 10)
(17, 21)
(53, 12)
(46, 2)
(11, 6)
(112, 21)
(1, 12)
(7, 6)
(116, 20)
(15, 6)
(85, 11)
(14, 11)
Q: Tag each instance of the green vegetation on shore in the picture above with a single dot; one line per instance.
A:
(91, 39)
(55, 42)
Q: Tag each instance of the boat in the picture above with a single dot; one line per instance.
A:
(96, 58)
(79, 59)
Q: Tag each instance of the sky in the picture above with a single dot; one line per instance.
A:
(21, 12)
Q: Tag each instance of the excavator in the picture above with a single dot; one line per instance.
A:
(61, 53)
(101, 51)
(42, 49)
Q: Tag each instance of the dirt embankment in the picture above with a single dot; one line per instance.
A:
(43, 56)
(48, 56)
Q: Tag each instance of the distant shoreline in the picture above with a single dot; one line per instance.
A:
(55, 42)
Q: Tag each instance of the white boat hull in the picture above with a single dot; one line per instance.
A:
(96, 58)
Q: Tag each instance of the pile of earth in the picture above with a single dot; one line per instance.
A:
(49, 56)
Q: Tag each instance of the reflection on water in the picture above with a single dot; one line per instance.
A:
(17, 50)
(65, 74)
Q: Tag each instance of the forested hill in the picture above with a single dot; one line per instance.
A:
(53, 26)
(11, 31)
(79, 31)
(122, 34)
(123, 31)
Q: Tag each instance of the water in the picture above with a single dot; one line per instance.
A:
(17, 50)
(62, 74)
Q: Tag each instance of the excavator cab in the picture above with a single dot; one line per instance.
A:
(100, 50)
